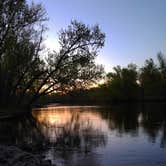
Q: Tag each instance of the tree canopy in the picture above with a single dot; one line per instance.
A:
(25, 74)
(28, 70)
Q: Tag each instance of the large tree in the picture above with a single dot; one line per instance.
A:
(74, 65)
(23, 70)
(21, 35)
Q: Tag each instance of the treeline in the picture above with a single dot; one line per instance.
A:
(29, 71)
(125, 84)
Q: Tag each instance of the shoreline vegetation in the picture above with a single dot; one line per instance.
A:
(31, 75)
(12, 155)
(124, 85)
(28, 70)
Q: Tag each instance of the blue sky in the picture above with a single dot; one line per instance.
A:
(135, 29)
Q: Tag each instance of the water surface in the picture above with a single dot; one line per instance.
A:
(95, 136)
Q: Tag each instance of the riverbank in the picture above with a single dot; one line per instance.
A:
(12, 113)
(11, 155)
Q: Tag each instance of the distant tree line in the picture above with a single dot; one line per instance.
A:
(27, 70)
(146, 83)
(126, 84)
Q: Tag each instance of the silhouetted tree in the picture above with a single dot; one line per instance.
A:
(162, 69)
(153, 78)
(21, 35)
(122, 83)
(73, 66)
(23, 70)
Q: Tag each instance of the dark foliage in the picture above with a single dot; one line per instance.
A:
(27, 71)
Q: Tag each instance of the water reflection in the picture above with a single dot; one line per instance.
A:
(154, 122)
(72, 134)
(124, 119)
(21, 132)
(72, 127)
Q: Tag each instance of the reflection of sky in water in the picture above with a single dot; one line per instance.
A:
(54, 122)
(91, 136)
(118, 138)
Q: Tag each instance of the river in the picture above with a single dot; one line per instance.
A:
(124, 135)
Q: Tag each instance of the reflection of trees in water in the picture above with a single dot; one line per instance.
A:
(80, 134)
(82, 130)
(72, 129)
(20, 132)
(127, 119)
(123, 119)
(154, 122)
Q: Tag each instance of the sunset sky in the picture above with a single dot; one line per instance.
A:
(135, 29)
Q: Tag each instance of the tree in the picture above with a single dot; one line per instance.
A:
(122, 83)
(73, 66)
(23, 70)
(21, 35)
(162, 68)
(153, 77)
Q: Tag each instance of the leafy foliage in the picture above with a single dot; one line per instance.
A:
(153, 77)
(123, 82)
(23, 70)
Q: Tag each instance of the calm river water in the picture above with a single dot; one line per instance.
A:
(125, 135)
